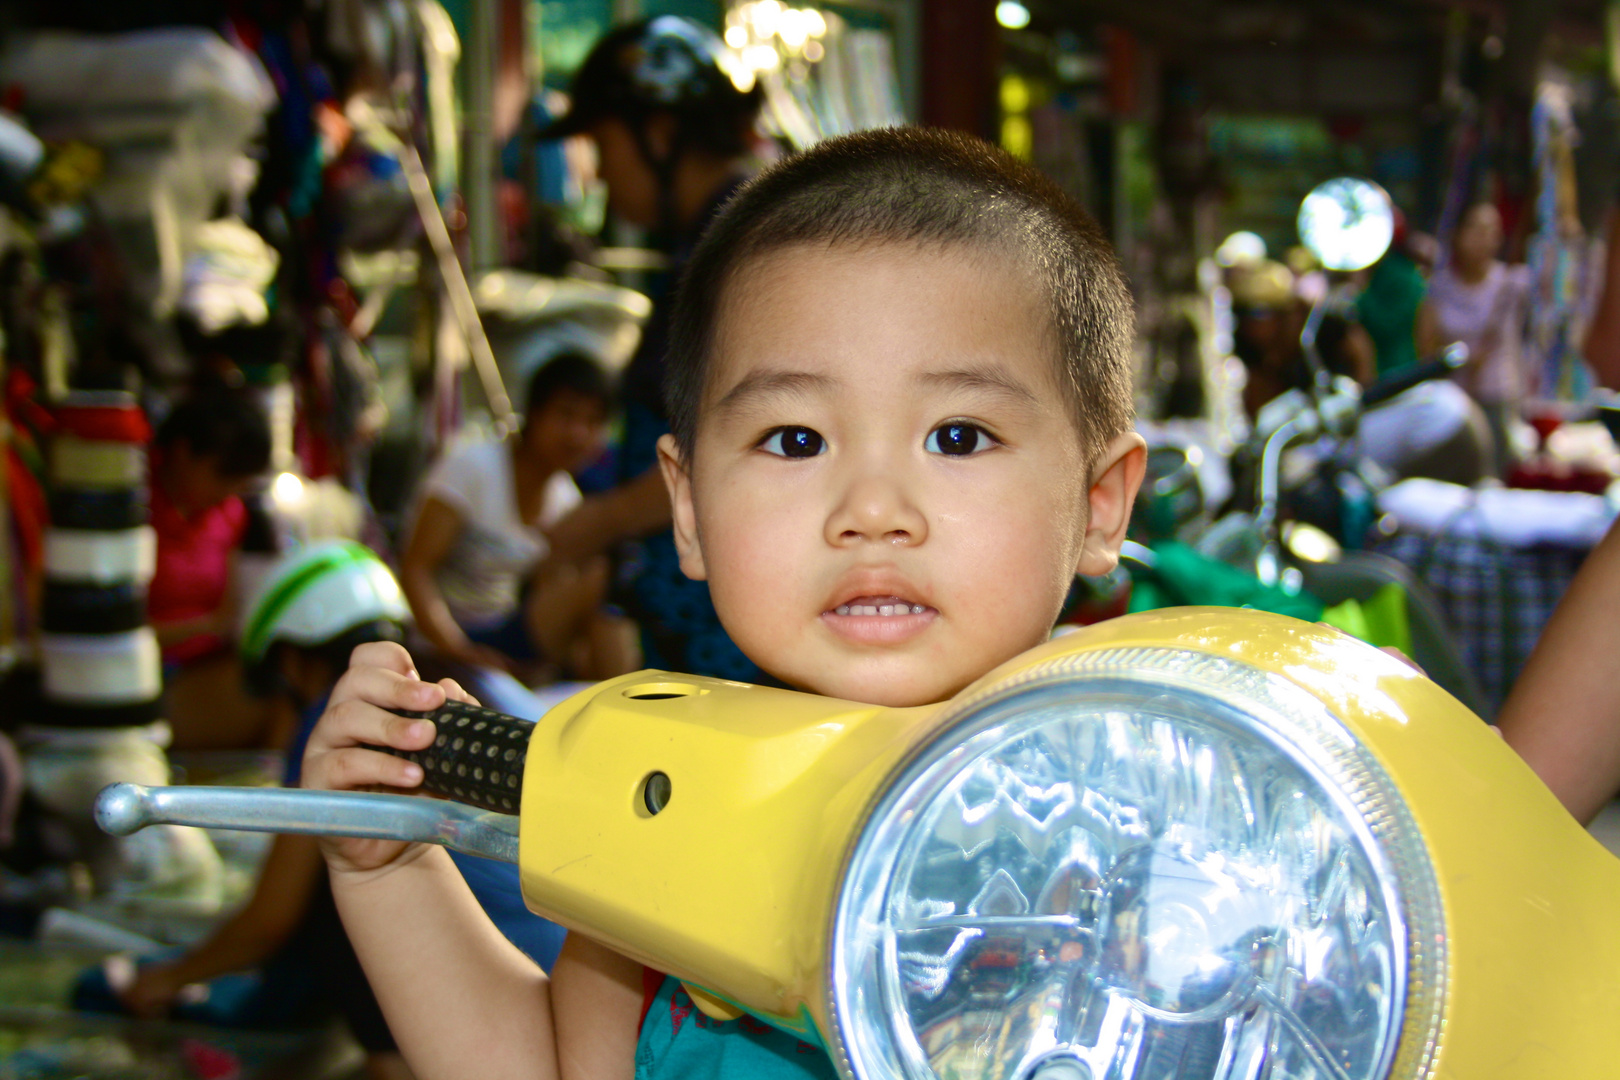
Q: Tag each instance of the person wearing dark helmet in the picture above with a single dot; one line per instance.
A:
(675, 136)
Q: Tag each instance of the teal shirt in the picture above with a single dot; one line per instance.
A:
(680, 1042)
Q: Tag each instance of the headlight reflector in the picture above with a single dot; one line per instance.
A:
(1139, 863)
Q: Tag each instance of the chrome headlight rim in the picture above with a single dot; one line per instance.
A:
(1272, 708)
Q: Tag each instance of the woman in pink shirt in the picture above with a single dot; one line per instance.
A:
(209, 450)
(1480, 301)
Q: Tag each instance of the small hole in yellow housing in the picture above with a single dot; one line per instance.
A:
(655, 793)
(661, 691)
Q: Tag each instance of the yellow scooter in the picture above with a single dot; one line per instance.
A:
(1197, 843)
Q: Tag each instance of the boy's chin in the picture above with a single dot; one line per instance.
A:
(888, 690)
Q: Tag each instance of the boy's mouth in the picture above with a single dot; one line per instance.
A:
(879, 620)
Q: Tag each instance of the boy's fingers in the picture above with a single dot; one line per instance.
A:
(388, 689)
(355, 721)
(383, 654)
(354, 768)
(454, 692)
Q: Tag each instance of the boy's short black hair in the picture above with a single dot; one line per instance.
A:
(568, 371)
(918, 185)
(226, 425)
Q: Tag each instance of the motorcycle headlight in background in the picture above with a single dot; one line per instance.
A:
(1139, 863)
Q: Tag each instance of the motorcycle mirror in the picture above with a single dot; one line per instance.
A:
(1347, 223)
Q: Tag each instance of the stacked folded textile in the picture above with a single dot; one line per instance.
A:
(101, 661)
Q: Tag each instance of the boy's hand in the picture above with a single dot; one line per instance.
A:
(363, 711)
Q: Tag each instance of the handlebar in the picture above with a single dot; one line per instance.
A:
(1451, 358)
(125, 808)
(476, 759)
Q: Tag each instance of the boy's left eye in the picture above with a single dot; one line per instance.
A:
(958, 440)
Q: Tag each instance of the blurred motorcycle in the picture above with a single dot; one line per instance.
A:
(1305, 489)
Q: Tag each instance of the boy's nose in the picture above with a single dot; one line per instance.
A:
(875, 508)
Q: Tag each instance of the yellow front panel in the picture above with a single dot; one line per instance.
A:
(730, 886)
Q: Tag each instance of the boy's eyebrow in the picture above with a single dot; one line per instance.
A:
(768, 384)
(984, 378)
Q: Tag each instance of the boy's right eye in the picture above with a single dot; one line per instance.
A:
(794, 442)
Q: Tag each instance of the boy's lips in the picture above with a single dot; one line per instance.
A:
(872, 619)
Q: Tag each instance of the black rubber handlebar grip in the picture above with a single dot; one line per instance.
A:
(476, 757)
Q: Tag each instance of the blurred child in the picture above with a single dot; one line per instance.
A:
(316, 606)
(473, 564)
(1477, 299)
(212, 448)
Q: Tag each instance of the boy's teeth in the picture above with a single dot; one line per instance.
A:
(880, 609)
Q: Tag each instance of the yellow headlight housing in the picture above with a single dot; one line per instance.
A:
(735, 886)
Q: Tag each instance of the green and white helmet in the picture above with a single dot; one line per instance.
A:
(316, 594)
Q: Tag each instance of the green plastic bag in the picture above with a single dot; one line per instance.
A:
(1181, 576)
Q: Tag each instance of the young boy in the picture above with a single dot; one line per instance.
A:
(900, 391)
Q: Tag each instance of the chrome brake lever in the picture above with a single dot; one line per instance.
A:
(125, 808)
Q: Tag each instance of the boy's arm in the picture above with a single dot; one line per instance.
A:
(461, 1000)
(596, 999)
(1603, 336)
(1563, 716)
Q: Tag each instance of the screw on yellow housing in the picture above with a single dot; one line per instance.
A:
(731, 884)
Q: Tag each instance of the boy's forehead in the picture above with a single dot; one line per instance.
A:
(860, 312)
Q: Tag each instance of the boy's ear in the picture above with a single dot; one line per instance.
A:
(679, 482)
(1113, 491)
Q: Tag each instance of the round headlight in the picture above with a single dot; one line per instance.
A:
(1139, 863)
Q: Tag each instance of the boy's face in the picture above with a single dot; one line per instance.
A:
(888, 495)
